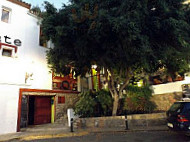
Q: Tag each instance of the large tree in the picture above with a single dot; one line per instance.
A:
(121, 36)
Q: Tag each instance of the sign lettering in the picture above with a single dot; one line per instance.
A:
(8, 40)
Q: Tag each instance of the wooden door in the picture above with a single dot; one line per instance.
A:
(42, 110)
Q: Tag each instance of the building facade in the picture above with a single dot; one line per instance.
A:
(26, 93)
(29, 93)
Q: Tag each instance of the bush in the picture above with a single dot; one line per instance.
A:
(105, 102)
(85, 105)
(94, 104)
(137, 100)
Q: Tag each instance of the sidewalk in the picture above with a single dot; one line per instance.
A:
(57, 130)
(42, 132)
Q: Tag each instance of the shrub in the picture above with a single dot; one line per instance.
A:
(85, 105)
(105, 101)
(93, 104)
(137, 100)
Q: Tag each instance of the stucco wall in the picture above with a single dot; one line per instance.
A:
(30, 58)
(170, 87)
(8, 108)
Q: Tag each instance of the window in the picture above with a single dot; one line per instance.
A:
(5, 15)
(61, 100)
(7, 52)
(43, 41)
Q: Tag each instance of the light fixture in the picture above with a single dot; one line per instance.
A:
(28, 76)
(94, 66)
(29, 72)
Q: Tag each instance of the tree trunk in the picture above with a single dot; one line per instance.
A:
(113, 87)
(115, 105)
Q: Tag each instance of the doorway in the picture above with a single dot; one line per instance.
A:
(31, 110)
(35, 110)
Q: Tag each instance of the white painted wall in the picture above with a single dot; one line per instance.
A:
(170, 87)
(31, 58)
(8, 108)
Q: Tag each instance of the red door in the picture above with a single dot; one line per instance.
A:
(42, 110)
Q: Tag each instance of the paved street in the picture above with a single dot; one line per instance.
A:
(140, 136)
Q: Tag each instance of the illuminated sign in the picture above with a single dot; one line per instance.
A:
(8, 40)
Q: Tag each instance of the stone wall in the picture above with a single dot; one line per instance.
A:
(118, 122)
(61, 108)
(146, 120)
(164, 101)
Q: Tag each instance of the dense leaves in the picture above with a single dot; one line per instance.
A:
(93, 104)
(138, 100)
(121, 36)
(138, 33)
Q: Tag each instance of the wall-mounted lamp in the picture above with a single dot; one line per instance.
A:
(29, 71)
(28, 76)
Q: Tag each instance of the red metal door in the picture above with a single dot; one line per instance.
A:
(42, 110)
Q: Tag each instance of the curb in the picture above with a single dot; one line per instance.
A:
(125, 131)
(47, 136)
(28, 138)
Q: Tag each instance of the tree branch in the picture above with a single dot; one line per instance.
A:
(112, 83)
(129, 74)
(109, 83)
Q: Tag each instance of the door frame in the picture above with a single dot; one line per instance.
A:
(52, 92)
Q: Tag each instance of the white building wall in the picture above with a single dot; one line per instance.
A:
(42, 78)
(30, 58)
(8, 108)
(170, 87)
(167, 88)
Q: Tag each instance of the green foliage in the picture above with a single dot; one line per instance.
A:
(105, 101)
(137, 100)
(86, 104)
(121, 36)
(36, 9)
(136, 34)
(93, 104)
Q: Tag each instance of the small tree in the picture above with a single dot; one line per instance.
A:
(121, 36)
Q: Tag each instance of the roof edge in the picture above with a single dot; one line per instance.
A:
(21, 3)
